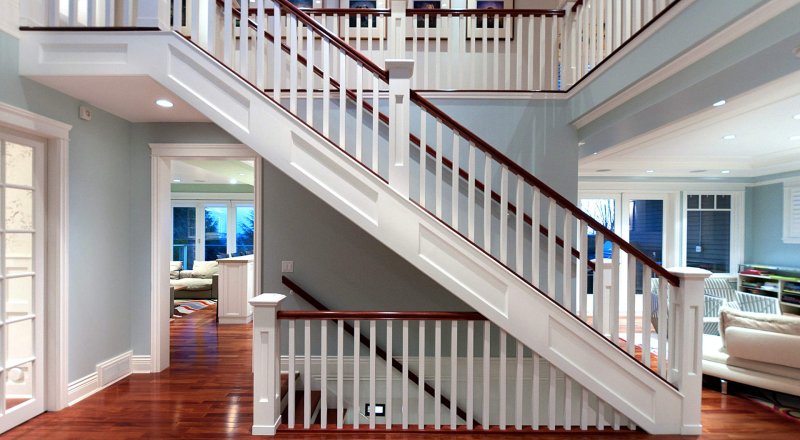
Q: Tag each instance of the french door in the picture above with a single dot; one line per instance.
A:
(208, 230)
(22, 283)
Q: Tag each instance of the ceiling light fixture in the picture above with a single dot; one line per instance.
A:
(166, 103)
(720, 103)
(176, 180)
(725, 171)
(797, 117)
(697, 171)
(729, 137)
(794, 138)
(233, 181)
(649, 171)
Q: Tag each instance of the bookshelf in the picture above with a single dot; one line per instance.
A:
(778, 282)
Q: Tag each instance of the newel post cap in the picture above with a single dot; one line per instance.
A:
(399, 68)
(267, 300)
(398, 6)
(689, 273)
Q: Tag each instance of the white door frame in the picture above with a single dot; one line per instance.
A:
(161, 231)
(55, 134)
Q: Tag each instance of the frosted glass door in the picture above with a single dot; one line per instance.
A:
(21, 291)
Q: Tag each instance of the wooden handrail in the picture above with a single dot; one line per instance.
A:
(379, 351)
(322, 315)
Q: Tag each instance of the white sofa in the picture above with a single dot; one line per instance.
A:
(757, 349)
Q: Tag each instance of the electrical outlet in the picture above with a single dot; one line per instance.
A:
(287, 266)
(85, 113)
(698, 248)
(380, 410)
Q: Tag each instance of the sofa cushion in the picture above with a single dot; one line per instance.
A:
(205, 269)
(763, 346)
(193, 283)
(714, 353)
(784, 324)
(175, 265)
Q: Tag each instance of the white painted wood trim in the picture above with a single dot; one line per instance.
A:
(140, 364)
(57, 254)
(202, 150)
(702, 50)
(90, 384)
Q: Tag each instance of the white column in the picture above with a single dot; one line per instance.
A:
(266, 364)
(397, 30)
(153, 13)
(686, 367)
(399, 95)
(236, 285)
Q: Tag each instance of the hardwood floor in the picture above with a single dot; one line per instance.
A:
(207, 393)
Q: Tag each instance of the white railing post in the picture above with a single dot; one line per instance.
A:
(397, 29)
(686, 367)
(266, 364)
(399, 111)
(153, 13)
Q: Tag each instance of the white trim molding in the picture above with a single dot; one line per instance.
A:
(791, 211)
(56, 135)
(140, 364)
(106, 374)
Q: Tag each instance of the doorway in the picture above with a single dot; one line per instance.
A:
(200, 213)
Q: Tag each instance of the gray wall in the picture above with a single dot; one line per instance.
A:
(141, 136)
(764, 228)
(99, 220)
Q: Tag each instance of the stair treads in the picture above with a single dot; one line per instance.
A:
(299, 406)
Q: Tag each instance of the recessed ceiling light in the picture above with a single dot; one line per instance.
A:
(649, 171)
(603, 170)
(234, 181)
(581, 143)
(725, 171)
(241, 174)
(594, 154)
(720, 103)
(176, 180)
(794, 138)
(797, 116)
(166, 103)
(698, 171)
(729, 137)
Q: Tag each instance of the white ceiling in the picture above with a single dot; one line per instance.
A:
(761, 119)
(130, 97)
(213, 171)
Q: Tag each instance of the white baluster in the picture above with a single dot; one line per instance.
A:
(340, 375)
(292, 40)
(584, 409)
(425, 72)
(376, 147)
(437, 375)
(453, 374)
(307, 380)
(356, 372)
(508, 21)
(485, 57)
(177, 14)
(551, 398)
(342, 113)
(405, 405)
(551, 248)
(439, 153)
(437, 66)
(519, 31)
(292, 380)
(613, 301)
(423, 154)
(566, 263)
(359, 109)
(455, 181)
(663, 327)
(326, 87)
(600, 424)
(227, 33)
(503, 376)
(389, 374)
(532, 62)
(535, 233)
(421, 387)
(553, 53)
(471, 193)
(647, 311)
(519, 233)
(470, 374)
(583, 269)
(503, 214)
(617, 25)
(630, 316)
(195, 19)
(487, 325)
(567, 403)
(109, 17)
(519, 386)
(323, 354)
(599, 286)
(309, 76)
(542, 41)
(535, 392)
(276, 52)
(372, 339)
(487, 204)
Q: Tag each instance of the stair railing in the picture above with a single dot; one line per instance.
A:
(499, 229)
(468, 359)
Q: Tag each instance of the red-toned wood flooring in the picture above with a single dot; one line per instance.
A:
(207, 393)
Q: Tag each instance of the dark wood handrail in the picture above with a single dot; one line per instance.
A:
(379, 351)
(437, 113)
(322, 315)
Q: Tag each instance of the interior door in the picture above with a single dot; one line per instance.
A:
(21, 273)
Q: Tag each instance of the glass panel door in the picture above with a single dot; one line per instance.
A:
(216, 232)
(245, 228)
(21, 291)
(604, 210)
(645, 228)
(184, 235)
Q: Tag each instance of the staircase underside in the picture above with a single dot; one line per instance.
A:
(365, 199)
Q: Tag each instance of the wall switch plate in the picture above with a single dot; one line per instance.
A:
(380, 410)
(85, 113)
(287, 266)
(698, 248)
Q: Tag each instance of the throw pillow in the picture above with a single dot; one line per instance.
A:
(205, 269)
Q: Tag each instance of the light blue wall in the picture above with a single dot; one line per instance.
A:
(99, 217)
(142, 135)
(764, 228)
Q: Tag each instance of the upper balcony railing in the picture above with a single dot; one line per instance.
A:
(453, 49)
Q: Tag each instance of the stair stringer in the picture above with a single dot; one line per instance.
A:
(322, 168)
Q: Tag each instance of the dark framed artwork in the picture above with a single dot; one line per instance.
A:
(490, 26)
(369, 26)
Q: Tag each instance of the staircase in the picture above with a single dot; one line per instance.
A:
(448, 202)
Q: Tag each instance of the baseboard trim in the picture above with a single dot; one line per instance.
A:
(107, 372)
(141, 364)
(235, 319)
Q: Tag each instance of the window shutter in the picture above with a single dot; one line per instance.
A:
(791, 217)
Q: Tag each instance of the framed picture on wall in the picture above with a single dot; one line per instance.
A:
(367, 25)
(428, 26)
(489, 25)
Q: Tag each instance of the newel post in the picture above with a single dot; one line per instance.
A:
(686, 339)
(266, 363)
(399, 96)
(397, 29)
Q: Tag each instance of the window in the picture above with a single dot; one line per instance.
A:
(708, 231)
(226, 228)
(791, 212)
